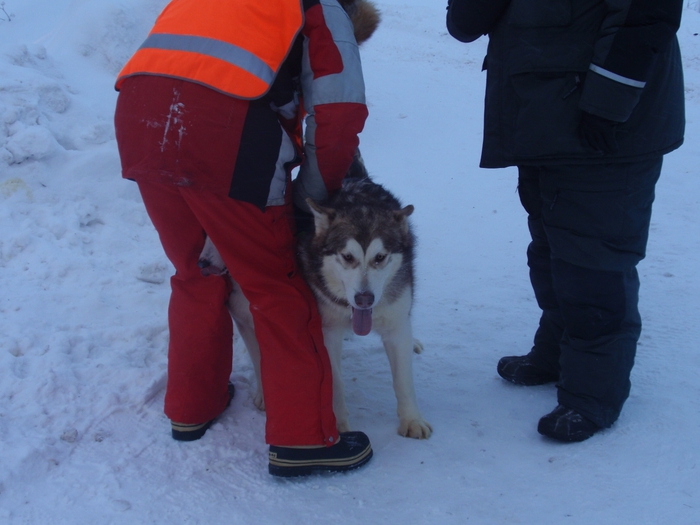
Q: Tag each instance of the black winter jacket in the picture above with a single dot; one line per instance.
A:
(549, 60)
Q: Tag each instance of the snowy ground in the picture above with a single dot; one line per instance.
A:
(84, 286)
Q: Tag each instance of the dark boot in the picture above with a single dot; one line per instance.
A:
(565, 424)
(352, 451)
(521, 370)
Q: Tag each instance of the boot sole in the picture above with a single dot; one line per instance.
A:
(295, 468)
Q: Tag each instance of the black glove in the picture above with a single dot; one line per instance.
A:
(304, 221)
(598, 133)
(467, 20)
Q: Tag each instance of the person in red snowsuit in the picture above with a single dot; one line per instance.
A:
(211, 146)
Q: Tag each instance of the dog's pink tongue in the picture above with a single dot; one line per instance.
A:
(362, 321)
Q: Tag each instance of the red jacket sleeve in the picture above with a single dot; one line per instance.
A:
(333, 93)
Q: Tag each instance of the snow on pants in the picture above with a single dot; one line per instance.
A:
(188, 147)
(589, 227)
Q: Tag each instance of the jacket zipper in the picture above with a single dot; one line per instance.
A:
(577, 83)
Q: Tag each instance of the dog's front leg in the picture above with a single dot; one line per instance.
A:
(399, 345)
(239, 307)
(333, 339)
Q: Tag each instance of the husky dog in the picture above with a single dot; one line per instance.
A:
(359, 264)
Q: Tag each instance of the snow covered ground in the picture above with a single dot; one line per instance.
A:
(84, 289)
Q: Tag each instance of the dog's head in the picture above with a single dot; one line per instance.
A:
(364, 256)
(364, 15)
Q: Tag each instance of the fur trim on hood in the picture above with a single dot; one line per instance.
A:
(364, 15)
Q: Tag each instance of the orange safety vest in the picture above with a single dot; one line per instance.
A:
(233, 46)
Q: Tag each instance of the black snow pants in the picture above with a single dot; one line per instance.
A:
(589, 227)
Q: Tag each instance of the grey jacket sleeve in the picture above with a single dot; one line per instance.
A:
(333, 100)
(631, 37)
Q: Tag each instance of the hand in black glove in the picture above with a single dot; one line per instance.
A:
(467, 20)
(304, 221)
(598, 133)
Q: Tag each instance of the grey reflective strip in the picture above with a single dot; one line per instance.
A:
(215, 48)
(617, 78)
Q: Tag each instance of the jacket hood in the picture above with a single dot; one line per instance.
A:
(364, 15)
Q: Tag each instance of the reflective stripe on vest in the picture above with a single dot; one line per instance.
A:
(215, 48)
(233, 46)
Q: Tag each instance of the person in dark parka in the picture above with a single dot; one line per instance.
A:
(584, 97)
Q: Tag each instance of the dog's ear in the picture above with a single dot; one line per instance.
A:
(322, 217)
(404, 212)
(401, 216)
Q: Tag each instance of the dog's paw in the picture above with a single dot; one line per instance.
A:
(259, 400)
(417, 346)
(416, 428)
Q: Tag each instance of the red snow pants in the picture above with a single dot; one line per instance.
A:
(258, 248)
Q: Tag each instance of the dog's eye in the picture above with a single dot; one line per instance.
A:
(379, 258)
(347, 257)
